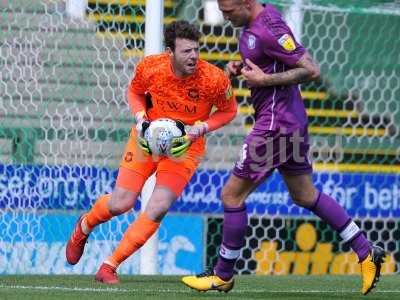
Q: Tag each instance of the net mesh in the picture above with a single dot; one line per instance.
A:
(65, 122)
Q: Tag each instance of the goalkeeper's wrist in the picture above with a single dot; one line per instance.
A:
(205, 126)
(197, 131)
(140, 116)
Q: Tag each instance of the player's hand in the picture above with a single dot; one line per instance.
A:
(197, 130)
(254, 76)
(143, 144)
(180, 145)
(233, 68)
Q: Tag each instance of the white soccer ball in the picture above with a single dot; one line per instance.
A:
(160, 134)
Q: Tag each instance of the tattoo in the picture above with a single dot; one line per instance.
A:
(294, 76)
(307, 70)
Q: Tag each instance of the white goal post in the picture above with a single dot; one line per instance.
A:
(153, 45)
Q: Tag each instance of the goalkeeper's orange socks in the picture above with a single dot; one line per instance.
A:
(97, 215)
(134, 237)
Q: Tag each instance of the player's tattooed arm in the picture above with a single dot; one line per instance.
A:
(306, 70)
(307, 63)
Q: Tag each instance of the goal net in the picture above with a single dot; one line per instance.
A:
(65, 121)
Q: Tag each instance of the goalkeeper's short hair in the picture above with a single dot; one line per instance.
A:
(180, 29)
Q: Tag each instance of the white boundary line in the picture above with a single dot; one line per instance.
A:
(236, 291)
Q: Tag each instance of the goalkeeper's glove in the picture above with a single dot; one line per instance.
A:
(143, 144)
(197, 130)
(180, 145)
(142, 124)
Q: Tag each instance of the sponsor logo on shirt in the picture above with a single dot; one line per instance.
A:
(287, 42)
(174, 106)
(251, 42)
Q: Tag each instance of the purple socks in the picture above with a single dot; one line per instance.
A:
(331, 212)
(234, 232)
(325, 207)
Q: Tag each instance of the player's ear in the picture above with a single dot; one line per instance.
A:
(169, 51)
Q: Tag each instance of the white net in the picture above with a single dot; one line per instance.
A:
(65, 122)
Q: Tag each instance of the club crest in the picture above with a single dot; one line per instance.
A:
(251, 42)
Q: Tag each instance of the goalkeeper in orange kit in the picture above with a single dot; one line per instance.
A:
(176, 85)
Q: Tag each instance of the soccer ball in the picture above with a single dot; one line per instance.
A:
(160, 134)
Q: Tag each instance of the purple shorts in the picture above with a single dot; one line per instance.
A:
(263, 153)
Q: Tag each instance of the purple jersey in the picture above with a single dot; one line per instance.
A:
(269, 43)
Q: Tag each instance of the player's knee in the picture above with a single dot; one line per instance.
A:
(159, 204)
(303, 198)
(157, 212)
(230, 198)
(121, 203)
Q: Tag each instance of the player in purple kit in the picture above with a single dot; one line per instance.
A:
(274, 64)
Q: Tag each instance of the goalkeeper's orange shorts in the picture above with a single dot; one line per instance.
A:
(136, 166)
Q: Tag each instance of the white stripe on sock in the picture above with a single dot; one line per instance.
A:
(350, 231)
(84, 226)
(110, 263)
(228, 253)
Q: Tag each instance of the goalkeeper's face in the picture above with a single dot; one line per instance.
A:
(185, 57)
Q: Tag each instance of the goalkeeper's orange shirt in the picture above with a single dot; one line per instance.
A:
(188, 99)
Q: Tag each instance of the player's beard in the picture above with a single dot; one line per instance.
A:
(185, 67)
(190, 67)
(239, 22)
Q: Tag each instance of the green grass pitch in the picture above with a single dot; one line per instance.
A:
(31, 287)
